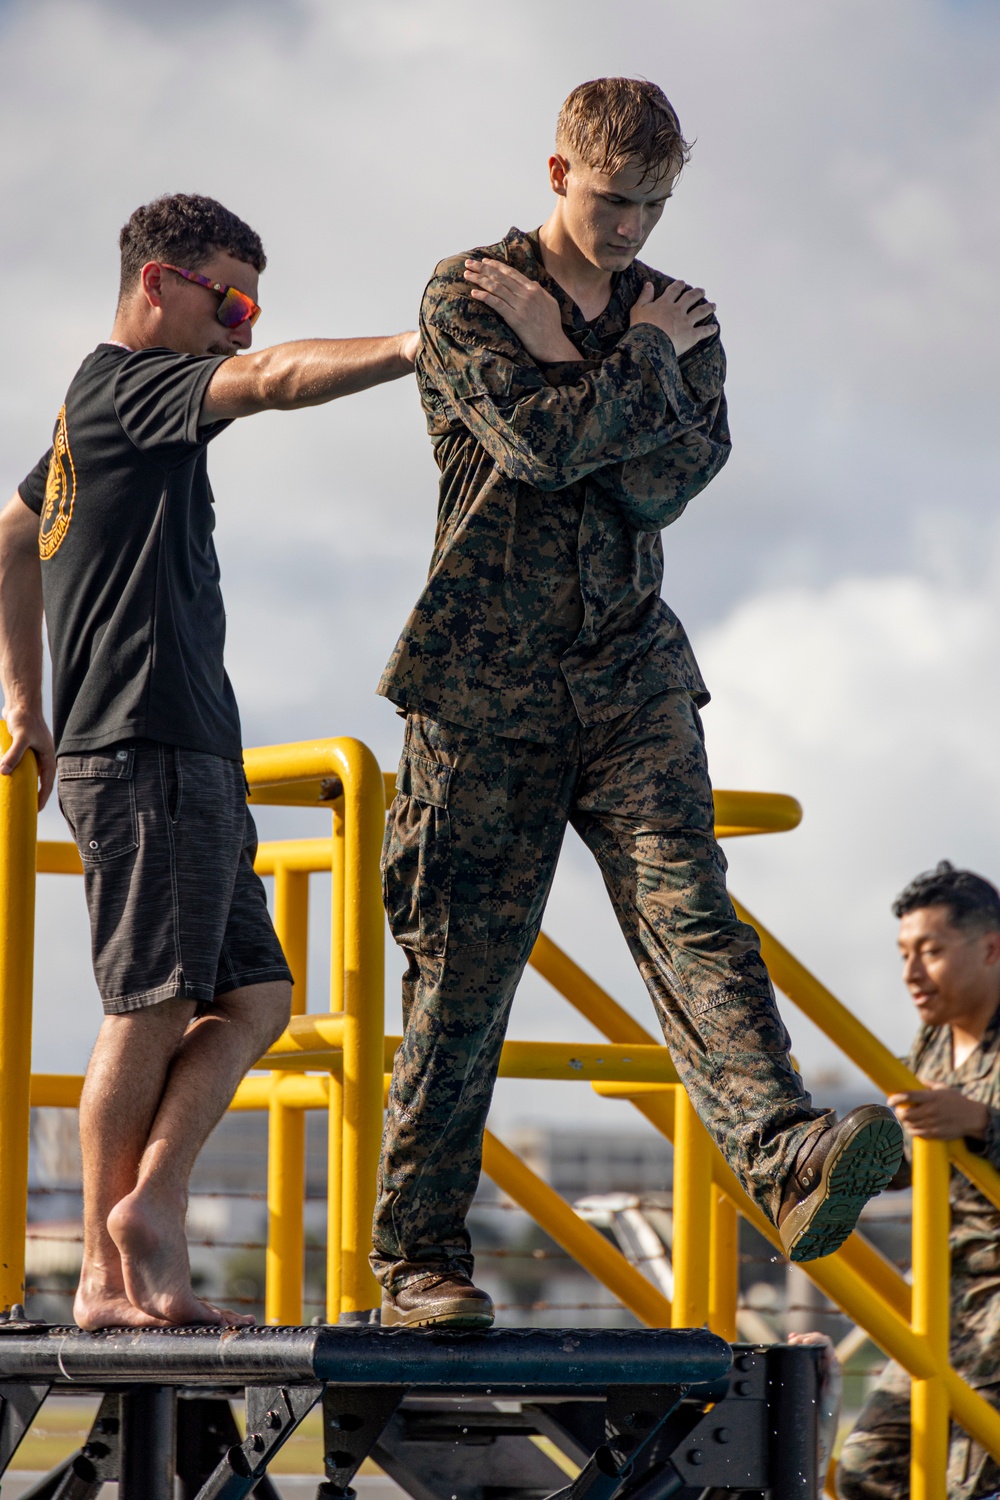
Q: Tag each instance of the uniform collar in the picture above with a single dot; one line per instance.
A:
(935, 1042)
(524, 253)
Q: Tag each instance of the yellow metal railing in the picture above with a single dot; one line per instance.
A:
(338, 1061)
(18, 824)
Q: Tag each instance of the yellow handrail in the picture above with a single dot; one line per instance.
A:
(348, 769)
(18, 822)
(338, 1061)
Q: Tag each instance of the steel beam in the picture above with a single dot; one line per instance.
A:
(543, 1358)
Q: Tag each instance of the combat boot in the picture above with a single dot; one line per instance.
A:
(443, 1299)
(835, 1172)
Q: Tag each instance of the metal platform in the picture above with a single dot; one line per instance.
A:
(511, 1414)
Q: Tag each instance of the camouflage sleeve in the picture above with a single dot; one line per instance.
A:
(636, 400)
(989, 1146)
(654, 490)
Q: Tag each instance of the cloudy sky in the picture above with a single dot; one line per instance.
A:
(839, 579)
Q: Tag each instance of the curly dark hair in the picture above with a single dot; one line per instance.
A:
(185, 228)
(972, 902)
(611, 121)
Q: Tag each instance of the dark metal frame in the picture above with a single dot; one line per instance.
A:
(512, 1414)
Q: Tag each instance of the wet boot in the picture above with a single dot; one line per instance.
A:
(445, 1299)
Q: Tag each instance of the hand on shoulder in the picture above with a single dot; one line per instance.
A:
(526, 307)
(679, 312)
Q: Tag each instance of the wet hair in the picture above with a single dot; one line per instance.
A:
(186, 229)
(611, 121)
(973, 904)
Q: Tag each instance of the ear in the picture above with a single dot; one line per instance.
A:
(151, 283)
(991, 948)
(558, 172)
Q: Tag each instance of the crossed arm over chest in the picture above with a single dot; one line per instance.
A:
(649, 430)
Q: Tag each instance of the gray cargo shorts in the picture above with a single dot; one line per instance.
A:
(168, 844)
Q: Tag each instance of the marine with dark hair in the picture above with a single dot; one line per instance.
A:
(971, 902)
(949, 941)
(111, 536)
(575, 403)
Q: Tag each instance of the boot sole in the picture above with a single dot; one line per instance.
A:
(857, 1168)
(438, 1315)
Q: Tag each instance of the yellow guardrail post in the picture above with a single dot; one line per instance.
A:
(286, 1135)
(337, 909)
(271, 770)
(364, 1022)
(335, 1117)
(723, 1268)
(929, 1414)
(334, 1199)
(692, 1214)
(18, 832)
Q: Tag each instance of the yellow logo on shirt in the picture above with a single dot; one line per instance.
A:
(60, 492)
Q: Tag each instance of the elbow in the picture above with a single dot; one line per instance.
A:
(529, 469)
(656, 517)
(654, 512)
(267, 382)
(273, 386)
(543, 472)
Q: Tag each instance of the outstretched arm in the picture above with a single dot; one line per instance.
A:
(21, 644)
(305, 373)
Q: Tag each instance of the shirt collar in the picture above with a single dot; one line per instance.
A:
(524, 252)
(936, 1043)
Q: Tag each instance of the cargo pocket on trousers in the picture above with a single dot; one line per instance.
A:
(416, 856)
(97, 798)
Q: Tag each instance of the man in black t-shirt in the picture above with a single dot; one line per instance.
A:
(111, 534)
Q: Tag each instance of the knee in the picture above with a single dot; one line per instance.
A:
(275, 1012)
(262, 1010)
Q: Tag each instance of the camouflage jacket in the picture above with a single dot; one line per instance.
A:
(542, 605)
(975, 1223)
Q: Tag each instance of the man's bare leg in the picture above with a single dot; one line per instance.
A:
(121, 1094)
(147, 1225)
(154, 1092)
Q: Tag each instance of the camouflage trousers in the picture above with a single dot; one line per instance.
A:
(875, 1461)
(470, 850)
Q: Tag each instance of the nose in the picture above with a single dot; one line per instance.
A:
(913, 969)
(241, 336)
(630, 226)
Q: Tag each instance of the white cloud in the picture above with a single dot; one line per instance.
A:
(874, 702)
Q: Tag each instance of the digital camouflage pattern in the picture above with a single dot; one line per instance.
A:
(470, 850)
(875, 1461)
(542, 606)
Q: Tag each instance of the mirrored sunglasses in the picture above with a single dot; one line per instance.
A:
(234, 308)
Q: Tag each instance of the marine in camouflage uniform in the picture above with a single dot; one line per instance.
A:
(545, 682)
(875, 1462)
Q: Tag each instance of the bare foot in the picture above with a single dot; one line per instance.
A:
(150, 1237)
(97, 1305)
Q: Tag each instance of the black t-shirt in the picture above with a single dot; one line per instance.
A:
(130, 575)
